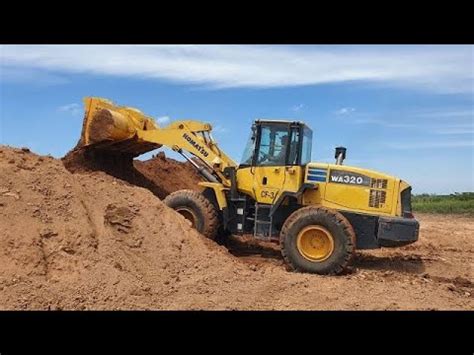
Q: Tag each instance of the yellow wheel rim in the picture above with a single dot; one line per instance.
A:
(315, 243)
(188, 214)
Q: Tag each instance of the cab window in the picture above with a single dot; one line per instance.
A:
(306, 147)
(273, 145)
(294, 146)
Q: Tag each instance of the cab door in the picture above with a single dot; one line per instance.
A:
(268, 182)
(270, 171)
(271, 162)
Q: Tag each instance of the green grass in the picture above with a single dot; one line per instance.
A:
(455, 203)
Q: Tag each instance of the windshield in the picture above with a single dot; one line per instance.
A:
(249, 149)
(275, 140)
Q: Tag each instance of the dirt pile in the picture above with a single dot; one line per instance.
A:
(91, 241)
(76, 241)
(169, 174)
(160, 175)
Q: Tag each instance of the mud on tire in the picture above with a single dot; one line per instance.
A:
(335, 223)
(203, 212)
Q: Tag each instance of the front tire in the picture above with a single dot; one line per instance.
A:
(196, 208)
(317, 240)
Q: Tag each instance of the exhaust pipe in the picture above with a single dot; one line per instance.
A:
(340, 155)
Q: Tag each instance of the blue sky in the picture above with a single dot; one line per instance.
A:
(404, 110)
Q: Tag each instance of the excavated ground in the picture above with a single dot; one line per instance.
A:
(94, 240)
(160, 175)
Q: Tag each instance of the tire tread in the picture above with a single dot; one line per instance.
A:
(337, 217)
(210, 214)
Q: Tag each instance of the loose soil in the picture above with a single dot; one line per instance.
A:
(78, 236)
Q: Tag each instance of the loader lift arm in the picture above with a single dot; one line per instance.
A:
(112, 128)
(194, 137)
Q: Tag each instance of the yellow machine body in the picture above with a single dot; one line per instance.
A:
(278, 179)
(126, 129)
(378, 195)
(351, 190)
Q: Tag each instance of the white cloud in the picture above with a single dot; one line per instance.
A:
(459, 121)
(385, 123)
(454, 130)
(447, 69)
(345, 111)
(443, 113)
(219, 129)
(73, 109)
(30, 76)
(434, 144)
(162, 120)
(297, 108)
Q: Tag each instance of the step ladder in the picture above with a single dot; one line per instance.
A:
(240, 207)
(262, 221)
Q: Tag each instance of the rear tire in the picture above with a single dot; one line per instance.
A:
(317, 240)
(196, 208)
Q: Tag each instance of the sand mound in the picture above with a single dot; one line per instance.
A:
(169, 174)
(92, 241)
(76, 241)
(160, 175)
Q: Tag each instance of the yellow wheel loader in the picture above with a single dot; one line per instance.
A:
(319, 213)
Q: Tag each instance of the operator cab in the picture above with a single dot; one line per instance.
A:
(278, 143)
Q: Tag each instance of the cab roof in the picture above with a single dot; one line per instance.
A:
(264, 120)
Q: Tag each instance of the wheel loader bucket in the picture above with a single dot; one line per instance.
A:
(114, 128)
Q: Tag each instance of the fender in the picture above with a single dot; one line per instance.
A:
(218, 191)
